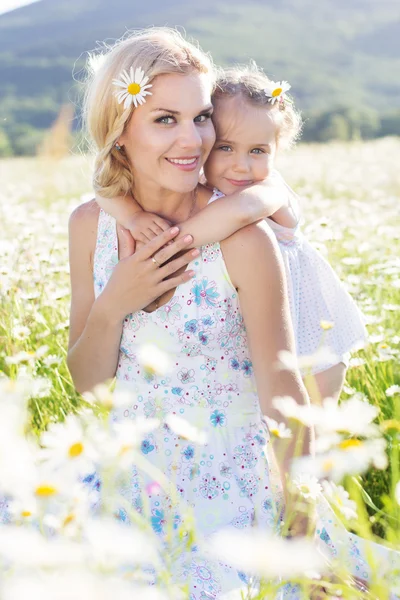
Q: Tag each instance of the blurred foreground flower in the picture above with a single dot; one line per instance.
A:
(267, 556)
(185, 430)
(154, 360)
(278, 430)
(339, 498)
(289, 362)
(349, 457)
(307, 485)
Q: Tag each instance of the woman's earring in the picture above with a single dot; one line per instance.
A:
(118, 147)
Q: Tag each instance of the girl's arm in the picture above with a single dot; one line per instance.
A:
(255, 266)
(214, 223)
(220, 219)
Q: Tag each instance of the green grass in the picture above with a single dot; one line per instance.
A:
(351, 197)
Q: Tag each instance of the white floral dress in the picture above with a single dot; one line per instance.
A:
(229, 482)
(316, 294)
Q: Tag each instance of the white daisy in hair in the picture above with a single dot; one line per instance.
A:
(134, 87)
(276, 90)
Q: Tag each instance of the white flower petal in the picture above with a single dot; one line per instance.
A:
(128, 101)
(118, 83)
(139, 74)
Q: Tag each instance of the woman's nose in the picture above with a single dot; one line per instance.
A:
(190, 136)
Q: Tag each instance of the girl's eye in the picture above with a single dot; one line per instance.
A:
(203, 118)
(225, 148)
(258, 151)
(165, 120)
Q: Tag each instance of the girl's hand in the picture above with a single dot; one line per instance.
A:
(145, 226)
(139, 279)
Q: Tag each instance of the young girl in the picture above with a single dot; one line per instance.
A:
(249, 133)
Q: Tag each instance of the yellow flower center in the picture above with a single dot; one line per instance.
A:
(277, 92)
(275, 432)
(326, 325)
(134, 88)
(68, 519)
(26, 513)
(75, 450)
(327, 465)
(124, 449)
(45, 490)
(347, 444)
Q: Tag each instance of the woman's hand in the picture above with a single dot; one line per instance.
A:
(140, 278)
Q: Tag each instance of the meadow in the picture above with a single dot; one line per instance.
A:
(350, 200)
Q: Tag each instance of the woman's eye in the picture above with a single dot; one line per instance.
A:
(257, 151)
(203, 118)
(165, 120)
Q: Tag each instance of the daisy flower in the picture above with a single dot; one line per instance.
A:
(308, 486)
(340, 499)
(134, 88)
(65, 445)
(278, 430)
(276, 90)
(264, 555)
(392, 390)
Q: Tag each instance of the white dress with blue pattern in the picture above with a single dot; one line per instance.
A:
(229, 482)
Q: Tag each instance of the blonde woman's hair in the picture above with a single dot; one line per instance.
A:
(249, 82)
(158, 51)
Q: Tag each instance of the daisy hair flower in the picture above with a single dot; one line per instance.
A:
(134, 87)
(276, 90)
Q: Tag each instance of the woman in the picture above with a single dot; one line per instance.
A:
(222, 353)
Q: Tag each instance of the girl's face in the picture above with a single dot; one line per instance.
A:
(244, 150)
(168, 139)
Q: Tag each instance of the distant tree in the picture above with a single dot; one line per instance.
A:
(5, 145)
(57, 142)
(390, 124)
(334, 127)
(364, 123)
(26, 140)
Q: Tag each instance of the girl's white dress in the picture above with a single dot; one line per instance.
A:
(316, 294)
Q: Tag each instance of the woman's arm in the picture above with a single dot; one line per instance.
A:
(256, 269)
(93, 336)
(96, 324)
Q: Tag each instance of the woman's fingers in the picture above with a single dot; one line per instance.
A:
(178, 263)
(158, 242)
(168, 251)
(173, 282)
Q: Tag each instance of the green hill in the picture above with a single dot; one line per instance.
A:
(342, 53)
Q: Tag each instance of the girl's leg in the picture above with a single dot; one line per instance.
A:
(326, 384)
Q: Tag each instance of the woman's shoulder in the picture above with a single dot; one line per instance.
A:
(85, 214)
(252, 247)
(83, 223)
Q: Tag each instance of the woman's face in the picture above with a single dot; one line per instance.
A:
(169, 138)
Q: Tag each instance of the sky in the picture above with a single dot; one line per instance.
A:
(6, 5)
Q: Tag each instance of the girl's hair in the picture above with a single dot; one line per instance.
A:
(158, 51)
(249, 82)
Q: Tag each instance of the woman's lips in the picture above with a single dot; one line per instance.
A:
(185, 163)
(240, 182)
